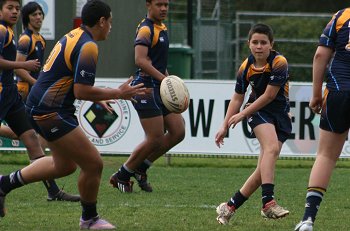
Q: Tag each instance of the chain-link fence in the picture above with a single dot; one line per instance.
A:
(220, 36)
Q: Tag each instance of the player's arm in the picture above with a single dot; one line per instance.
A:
(266, 98)
(24, 74)
(30, 65)
(92, 93)
(233, 108)
(144, 62)
(321, 59)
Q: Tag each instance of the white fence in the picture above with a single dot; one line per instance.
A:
(121, 132)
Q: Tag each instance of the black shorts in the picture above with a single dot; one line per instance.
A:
(149, 105)
(335, 115)
(12, 110)
(280, 120)
(54, 125)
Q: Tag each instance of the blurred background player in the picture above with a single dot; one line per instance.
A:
(69, 74)
(333, 53)
(31, 46)
(151, 53)
(266, 71)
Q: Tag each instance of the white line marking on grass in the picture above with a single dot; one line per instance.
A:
(169, 206)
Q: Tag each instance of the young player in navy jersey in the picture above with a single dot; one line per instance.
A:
(31, 46)
(266, 71)
(69, 74)
(151, 53)
(332, 57)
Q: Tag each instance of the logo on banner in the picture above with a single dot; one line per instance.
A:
(100, 126)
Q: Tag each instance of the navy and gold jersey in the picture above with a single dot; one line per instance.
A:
(72, 60)
(275, 73)
(336, 36)
(8, 52)
(33, 46)
(155, 37)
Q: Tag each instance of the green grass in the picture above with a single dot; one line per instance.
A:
(184, 198)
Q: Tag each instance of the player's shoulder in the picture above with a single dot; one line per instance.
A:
(3, 28)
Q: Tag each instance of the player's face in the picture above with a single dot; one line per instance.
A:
(36, 20)
(260, 47)
(158, 10)
(106, 26)
(10, 12)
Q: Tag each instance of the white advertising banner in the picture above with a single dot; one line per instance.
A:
(48, 27)
(121, 131)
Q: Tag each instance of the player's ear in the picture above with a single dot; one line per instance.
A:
(102, 21)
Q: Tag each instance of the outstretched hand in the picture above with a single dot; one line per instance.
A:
(32, 65)
(127, 91)
(219, 137)
(105, 105)
(235, 119)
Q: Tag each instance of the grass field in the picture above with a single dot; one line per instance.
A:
(185, 196)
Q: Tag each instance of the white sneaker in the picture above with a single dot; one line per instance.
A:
(225, 213)
(273, 211)
(305, 225)
(96, 223)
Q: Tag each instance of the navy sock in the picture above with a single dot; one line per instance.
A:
(237, 200)
(124, 173)
(144, 166)
(89, 210)
(314, 198)
(10, 182)
(267, 193)
(51, 187)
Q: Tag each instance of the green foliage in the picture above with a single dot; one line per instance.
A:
(185, 197)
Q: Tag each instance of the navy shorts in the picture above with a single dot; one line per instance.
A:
(54, 125)
(12, 110)
(149, 105)
(335, 115)
(281, 121)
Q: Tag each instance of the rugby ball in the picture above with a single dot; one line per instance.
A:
(174, 94)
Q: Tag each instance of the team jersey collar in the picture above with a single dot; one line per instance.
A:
(85, 30)
(4, 23)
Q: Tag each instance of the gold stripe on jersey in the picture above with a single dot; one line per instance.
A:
(59, 90)
(72, 39)
(44, 117)
(156, 32)
(144, 32)
(343, 19)
(3, 30)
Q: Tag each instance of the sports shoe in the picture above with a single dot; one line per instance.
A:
(96, 223)
(63, 196)
(273, 211)
(225, 213)
(305, 225)
(141, 178)
(123, 186)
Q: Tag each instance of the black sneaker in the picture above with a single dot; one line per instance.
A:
(63, 196)
(141, 178)
(123, 186)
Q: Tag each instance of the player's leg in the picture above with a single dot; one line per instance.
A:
(19, 123)
(154, 135)
(329, 149)
(271, 146)
(227, 209)
(175, 132)
(5, 131)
